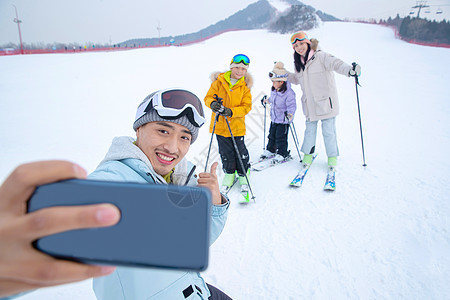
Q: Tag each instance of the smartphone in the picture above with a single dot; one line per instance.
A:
(165, 226)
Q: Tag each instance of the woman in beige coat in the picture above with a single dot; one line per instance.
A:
(314, 71)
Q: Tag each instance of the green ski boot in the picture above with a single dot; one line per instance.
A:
(227, 183)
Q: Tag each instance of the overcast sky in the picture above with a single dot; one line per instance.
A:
(104, 21)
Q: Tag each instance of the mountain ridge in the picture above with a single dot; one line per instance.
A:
(259, 15)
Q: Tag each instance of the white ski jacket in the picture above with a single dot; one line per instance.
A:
(320, 98)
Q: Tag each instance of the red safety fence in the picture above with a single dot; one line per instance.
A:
(4, 52)
(92, 49)
(411, 41)
(414, 41)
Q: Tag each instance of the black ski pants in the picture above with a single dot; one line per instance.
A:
(278, 138)
(217, 294)
(229, 157)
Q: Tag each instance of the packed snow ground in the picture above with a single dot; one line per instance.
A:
(383, 234)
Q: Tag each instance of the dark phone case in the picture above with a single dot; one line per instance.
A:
(161, 225)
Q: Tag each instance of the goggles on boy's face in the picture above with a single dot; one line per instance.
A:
(172, 104)
(274, 75)
(299, 36)
(241, 58)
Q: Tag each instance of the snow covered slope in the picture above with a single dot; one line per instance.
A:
(383, 234)
(280, 5)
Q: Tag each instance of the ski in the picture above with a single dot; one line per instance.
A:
(298, 179)
(245, 195)
(270, 163)
(224, 189)
(244, 191)
(262, 159)
(330, 183)
(244, 185)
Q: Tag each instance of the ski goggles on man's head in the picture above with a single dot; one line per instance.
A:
(299, 36)
(241, 58)
(172, 104)
(274, 75)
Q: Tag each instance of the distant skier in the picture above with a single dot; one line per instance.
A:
(314, 71)
(282, 109)
(233, 87)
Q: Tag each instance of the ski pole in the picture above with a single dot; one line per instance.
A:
(295, 132)
(293, 136)
(210, 143)
(190, 174)
(212, 134)
(359, 115)
(264, 137)
(297, 143)
(239, 156)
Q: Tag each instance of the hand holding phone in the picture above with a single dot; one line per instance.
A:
(161, 225)
(23, 267)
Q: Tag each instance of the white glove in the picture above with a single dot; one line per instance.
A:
(355, 71)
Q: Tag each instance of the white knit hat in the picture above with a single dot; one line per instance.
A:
(278, 73)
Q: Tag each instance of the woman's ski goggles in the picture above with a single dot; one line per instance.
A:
(172, 104)
(241, 58)
(299, 36)
(274, 75)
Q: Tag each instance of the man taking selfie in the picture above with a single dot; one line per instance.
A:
(167, 123)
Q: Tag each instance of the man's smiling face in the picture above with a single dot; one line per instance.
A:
(164, 143)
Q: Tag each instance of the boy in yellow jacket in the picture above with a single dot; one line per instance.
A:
(233, 87)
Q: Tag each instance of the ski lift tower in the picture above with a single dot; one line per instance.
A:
(159, 33)
(16, 20)
(420, 5)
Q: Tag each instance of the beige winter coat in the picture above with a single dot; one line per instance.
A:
(320, 99)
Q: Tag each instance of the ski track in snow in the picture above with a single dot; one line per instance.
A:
(384, 232)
